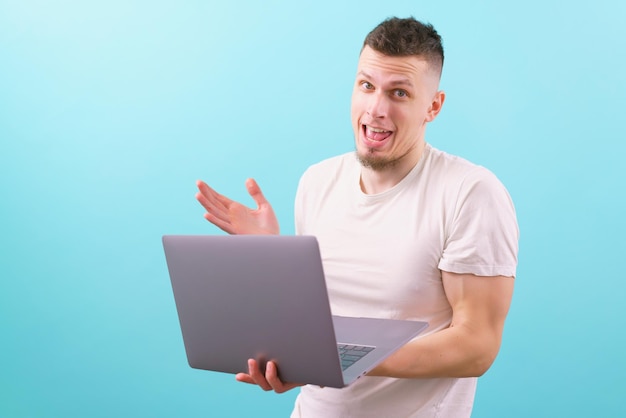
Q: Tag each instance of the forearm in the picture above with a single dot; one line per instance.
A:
(453, 352)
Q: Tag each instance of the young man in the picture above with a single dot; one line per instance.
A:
(407, 232)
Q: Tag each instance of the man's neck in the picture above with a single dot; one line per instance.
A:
(379, 181)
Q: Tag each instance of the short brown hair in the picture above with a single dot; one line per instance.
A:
(403, 37)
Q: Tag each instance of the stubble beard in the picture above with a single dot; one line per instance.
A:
(370, 160)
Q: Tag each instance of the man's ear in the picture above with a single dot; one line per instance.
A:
(436, 105)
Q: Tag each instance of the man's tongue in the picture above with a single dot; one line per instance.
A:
(376, 135)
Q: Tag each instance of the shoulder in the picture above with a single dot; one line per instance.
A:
(451, 164)
(457, 172)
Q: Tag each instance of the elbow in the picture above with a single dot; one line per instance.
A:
(484, 351)
(482, 363)
(481, 367)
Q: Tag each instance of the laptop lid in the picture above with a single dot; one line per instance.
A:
(265, 297)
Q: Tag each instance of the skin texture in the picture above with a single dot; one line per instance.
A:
(393, 100)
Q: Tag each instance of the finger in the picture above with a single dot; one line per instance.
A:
(210, 199)
(216, 217)
(225, 226)
(216, 210)
(271, 375)
(257, 377)
(215, 204)
(245, 378)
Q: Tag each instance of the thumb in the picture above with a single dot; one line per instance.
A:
(255, 192)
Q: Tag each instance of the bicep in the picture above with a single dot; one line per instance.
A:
(479, 303)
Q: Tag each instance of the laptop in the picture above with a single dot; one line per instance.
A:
(264, 297)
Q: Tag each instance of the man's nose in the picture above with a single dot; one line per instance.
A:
(377, 106)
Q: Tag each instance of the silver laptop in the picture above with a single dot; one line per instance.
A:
(264, 297)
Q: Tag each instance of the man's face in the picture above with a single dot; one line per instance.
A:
(392, 100)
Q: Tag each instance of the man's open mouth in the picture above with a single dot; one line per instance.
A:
(376, 134)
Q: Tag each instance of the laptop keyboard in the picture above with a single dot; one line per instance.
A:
(350, 353)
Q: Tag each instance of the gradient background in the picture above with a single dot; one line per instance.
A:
(110, 110)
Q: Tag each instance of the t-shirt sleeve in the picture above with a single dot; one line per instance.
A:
(482, 235)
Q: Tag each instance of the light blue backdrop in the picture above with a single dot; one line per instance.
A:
(110, 110)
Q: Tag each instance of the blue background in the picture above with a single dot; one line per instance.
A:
(109, 112)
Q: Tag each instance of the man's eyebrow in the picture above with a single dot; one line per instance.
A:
(402, 82)
(398, 82)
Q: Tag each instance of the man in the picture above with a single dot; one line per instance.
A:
(407, 232)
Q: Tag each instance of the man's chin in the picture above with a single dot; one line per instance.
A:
(369, 160)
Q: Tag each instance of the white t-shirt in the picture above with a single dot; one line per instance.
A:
(383, 255)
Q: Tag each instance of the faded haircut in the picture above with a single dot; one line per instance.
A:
(397, 37)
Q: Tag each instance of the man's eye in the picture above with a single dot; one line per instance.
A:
(367, 85)
(401, 93)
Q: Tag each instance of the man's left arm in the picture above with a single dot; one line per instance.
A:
(468, 347)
